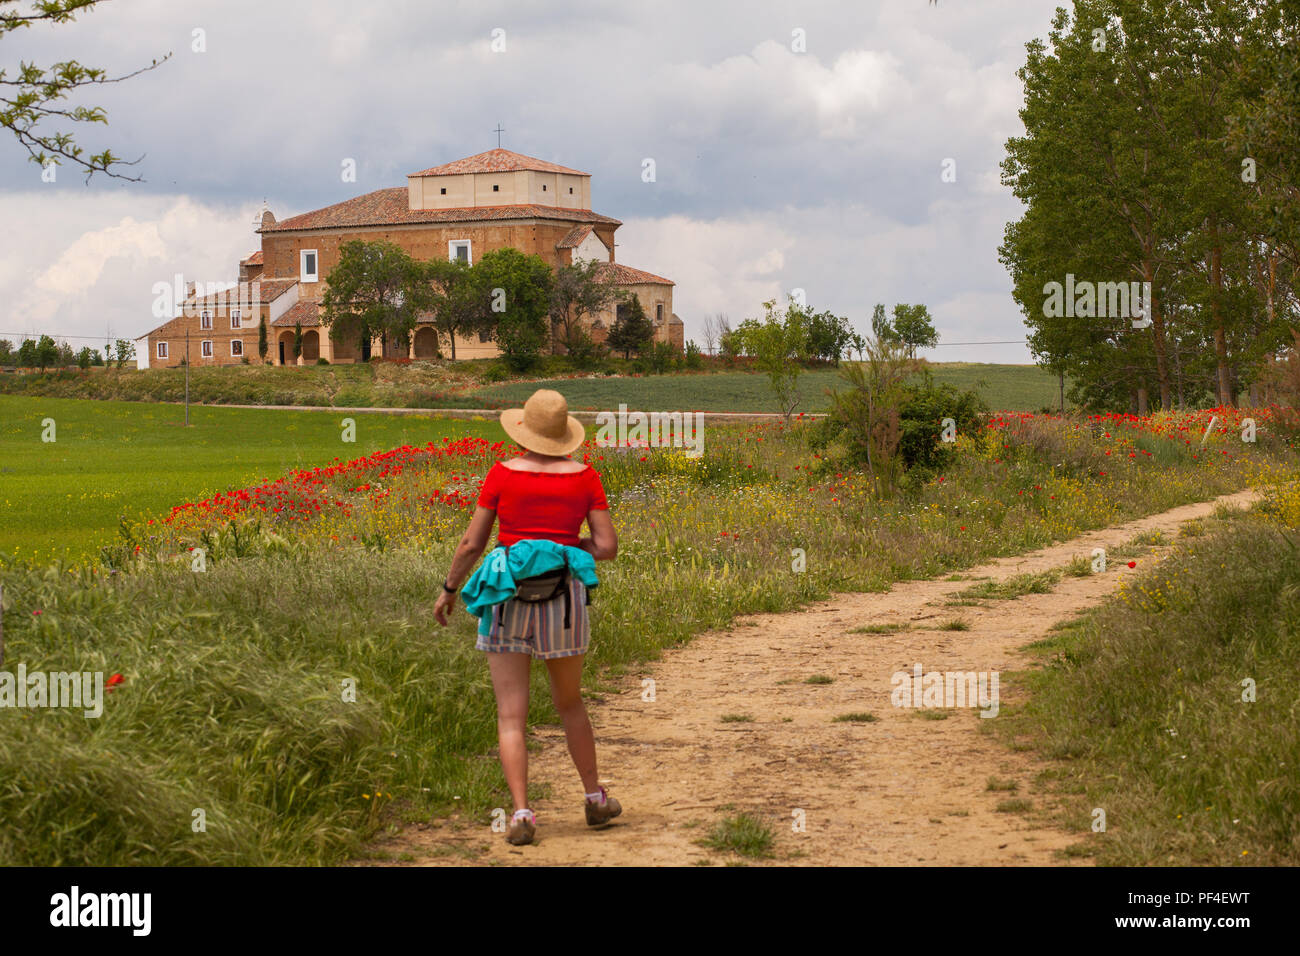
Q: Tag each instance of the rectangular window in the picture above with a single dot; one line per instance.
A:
(207, 348)
(234, 319)
(307, 261)
(543, 187)
(459, 249)
(496, 188)
(205, 320)
(659, 312)
(162, 349)
(236, 347)
(570, 190)
(444, 191)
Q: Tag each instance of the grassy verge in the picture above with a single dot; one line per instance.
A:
(1142, 705)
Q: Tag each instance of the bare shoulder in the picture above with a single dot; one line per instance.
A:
(559, 466)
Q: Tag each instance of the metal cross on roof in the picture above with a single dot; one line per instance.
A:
(498, 131)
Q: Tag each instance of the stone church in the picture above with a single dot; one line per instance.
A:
(460, 210)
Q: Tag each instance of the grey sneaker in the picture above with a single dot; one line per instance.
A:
(602, 812)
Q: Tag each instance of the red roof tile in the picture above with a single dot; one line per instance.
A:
(253, 260)
(574, 237)
(626, 275)
(497, 161)
(306, 312)
(266, 290)
(391, 207)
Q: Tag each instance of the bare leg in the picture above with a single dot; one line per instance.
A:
(566, 691)
(510, 681)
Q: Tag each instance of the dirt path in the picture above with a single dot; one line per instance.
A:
(900, 790)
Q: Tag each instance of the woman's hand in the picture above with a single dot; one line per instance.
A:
(446, 601)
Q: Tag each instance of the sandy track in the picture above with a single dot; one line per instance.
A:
(902, 790)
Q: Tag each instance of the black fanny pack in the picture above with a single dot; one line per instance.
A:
(544, 587)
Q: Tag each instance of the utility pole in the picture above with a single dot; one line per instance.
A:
(187, 378)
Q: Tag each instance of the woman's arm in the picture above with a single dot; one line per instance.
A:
(471, 548)
(603, 543)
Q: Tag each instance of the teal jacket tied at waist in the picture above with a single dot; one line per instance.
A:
(493, 582)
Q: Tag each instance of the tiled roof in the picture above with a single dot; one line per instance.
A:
(267, 290)
(574, 237)
(497, 161)
(253, 260)
(626, 275)
(305, 312)
(391, 207)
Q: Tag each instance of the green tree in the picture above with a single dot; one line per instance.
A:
(47, 352)
(123, 351)
(914, 328)
(262, 344)
(297, 339)
(455, 306)
(27, 354)
(632, 331)
(33, 96)
(376, 290)
(880, 327)
(579, 290)
(8, 355)
(779, 345)
(513, 292)
(829, 336)
(85, 358)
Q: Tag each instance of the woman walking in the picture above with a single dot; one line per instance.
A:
(531, 592)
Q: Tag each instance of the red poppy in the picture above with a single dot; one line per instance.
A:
(113, 681)
(1132, 564)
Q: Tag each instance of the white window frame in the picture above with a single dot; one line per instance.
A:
(233, 343)
(162, 350)
(205, 348)
(205, 321)
(234, 320)
(303, 274)
(469, 250)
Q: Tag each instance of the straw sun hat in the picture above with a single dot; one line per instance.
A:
(544, 424)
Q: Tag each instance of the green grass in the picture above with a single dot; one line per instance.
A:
(1010, 387)
(856, 717)
(878, 629)
(819, 679)
(445, 384)
(1013, 587)
(1142, 701)
(65, 499)
(737, 719)
(743, 834)
(954, 625)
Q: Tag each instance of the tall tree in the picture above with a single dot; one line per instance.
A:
(376, 290)
(513, 292)
(580, 290)
(632, 331)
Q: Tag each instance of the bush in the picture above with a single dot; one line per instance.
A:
(694, 357)
(661, 358)
(924, 408)
(320, 361)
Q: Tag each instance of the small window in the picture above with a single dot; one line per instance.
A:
(482, 336)
(236, 347)
(307, 260)
(234, 319)
(459, 250)
(496, 188)
(444, 191)
(659, 312)
(162, 350)
(207, 348)
(543, 187)
(570, 190)
(205, 321)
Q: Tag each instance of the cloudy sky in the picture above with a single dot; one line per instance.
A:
(775, 168)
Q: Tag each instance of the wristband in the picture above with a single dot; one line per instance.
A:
(447, 589)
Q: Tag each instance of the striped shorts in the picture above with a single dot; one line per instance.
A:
(521, 627)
